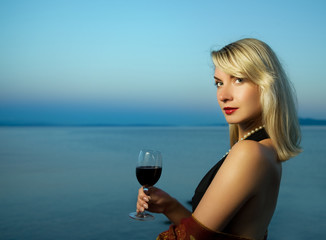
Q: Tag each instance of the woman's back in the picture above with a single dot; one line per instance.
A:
(248, 181)
(254, 216)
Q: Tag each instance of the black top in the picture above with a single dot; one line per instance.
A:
(208, 178)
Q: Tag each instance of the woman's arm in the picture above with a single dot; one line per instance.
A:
(237, 181)
(158, 201)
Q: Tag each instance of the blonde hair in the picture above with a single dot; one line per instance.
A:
(255, 60)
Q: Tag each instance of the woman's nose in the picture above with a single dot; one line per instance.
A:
(224, 94)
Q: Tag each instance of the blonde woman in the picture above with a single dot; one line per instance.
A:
(236, 199)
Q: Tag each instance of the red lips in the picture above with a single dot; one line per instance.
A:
(229, 110)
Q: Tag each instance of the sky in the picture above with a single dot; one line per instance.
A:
(145, 62)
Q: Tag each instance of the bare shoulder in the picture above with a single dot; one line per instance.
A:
(255, 159)
(253, 152)
(245, 174)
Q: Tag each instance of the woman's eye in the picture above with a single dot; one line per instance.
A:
(218, 84)
(239, 80)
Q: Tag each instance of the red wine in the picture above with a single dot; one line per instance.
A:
(148, 175)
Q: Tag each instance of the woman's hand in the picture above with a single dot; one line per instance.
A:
(154, 200)
(157, 201)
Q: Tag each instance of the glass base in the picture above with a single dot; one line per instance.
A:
(144, 216)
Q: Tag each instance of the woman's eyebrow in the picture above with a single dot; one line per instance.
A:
(216, 78)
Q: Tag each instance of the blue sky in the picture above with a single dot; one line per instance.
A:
(145, 62)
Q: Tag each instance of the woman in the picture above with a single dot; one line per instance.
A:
(237, 197)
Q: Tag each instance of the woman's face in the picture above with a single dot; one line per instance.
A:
(239, 99)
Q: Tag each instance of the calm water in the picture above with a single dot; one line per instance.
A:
(79, 183)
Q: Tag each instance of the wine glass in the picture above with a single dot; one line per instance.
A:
(148, 172)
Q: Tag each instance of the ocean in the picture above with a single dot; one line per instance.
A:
(79, 182)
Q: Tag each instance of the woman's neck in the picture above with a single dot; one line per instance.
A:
(244, 129)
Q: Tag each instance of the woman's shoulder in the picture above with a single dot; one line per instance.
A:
(254, 157)
(254, 152)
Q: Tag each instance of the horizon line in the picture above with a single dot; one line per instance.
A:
(302, 121)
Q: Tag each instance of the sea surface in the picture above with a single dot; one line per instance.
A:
(79, 182)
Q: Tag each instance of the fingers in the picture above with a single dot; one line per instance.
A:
(142, 201)
(141, 205)
(144, 193)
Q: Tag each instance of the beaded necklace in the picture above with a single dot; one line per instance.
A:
(246, 136)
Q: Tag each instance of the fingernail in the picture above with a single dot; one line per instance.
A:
(145, 206)
(146, 199)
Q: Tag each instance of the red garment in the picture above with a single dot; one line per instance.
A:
(191, 229)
